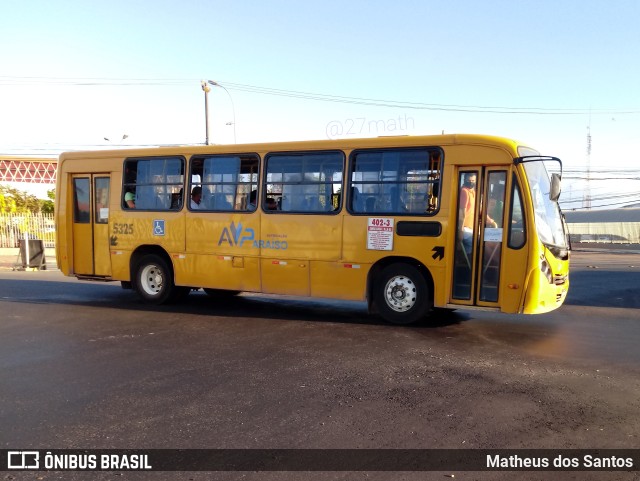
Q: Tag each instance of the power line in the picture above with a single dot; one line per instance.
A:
(624, 204)
(421, 105)
(100, 81)
(598, 178)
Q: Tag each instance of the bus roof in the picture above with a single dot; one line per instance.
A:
(328, 144)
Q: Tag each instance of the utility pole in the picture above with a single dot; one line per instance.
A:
(206, 89)
(586, 199)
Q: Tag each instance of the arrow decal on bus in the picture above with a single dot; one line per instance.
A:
(438, 253)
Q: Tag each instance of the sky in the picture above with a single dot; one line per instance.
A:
(545, 72)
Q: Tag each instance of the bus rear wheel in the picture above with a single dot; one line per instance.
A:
(153, 280)
(401, 294)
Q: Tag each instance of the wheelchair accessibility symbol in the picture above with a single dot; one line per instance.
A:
(158, 227)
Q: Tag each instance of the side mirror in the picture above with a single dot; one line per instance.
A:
(556, 187)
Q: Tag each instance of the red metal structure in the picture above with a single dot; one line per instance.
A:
(34, 170)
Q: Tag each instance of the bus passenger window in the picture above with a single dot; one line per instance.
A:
(81, 200)
(517, 228)
(304, 182)
(397, 181)
(150, 183)
(229, 182)
(492, 237)
(101, 214)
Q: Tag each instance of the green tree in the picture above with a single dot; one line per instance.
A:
(46, 206)
(16, 201)
(7, 202)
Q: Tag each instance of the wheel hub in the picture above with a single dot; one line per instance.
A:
(400, 293)
(152, 279)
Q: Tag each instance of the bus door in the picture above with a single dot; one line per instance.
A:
(478, 253)
(91, 224)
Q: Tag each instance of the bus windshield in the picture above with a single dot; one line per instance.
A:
(548, 218)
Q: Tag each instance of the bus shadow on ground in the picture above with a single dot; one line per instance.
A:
(245, 305)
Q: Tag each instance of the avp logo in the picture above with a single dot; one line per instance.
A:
(235, 236)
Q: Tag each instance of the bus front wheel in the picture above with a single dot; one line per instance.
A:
(401, 294)
(153, 279)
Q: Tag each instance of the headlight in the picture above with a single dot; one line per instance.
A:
(546, 269)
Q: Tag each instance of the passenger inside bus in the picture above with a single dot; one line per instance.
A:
(176, 200)
(467, 206)
(130, 199)
(356, 200)
(272, 204)
(496, 204)
(196, 197)
(467, 209)
(433, 191)
(370, 204)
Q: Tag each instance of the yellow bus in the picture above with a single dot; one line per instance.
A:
(408, 224)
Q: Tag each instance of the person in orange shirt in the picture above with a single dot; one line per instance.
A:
(466, 215)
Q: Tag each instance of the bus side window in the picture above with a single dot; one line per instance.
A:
(517, 227)
(303, 182)
(395, 181)
(150, 183)
(229, 182)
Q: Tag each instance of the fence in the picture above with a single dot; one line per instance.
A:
(611, 226)
(42, 226)
(605, 232)
(13, 227)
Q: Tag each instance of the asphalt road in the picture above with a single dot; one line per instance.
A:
(86, 365)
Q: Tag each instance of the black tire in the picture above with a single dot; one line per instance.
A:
(401, 294)
(153, 280)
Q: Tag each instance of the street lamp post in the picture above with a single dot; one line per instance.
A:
(124, 137)
(233, 108)
(206, 89)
